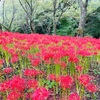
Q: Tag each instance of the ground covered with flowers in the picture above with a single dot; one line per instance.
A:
(44, 67)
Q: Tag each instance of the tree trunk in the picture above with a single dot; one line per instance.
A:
(32, 27)
(54, 26)
(54, 15)
(83, 14)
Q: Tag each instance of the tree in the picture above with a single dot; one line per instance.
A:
(83, 13)
(93, 24)
(7, 26)
(59, 8)
(54, 15)
(30, 7)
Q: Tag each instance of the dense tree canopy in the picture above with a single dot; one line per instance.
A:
(62, 17)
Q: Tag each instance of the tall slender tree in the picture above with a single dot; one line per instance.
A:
(59, 8)
(30, 7)
(7, 26)
(83, 13)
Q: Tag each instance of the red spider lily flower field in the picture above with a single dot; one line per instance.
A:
(44, 67)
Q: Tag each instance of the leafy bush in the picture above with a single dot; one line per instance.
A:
(67, 26)
(93, 24)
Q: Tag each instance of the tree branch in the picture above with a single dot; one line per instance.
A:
(24, 8)
(13, 13)
(5, 27)
(3, 10)
(29, 6)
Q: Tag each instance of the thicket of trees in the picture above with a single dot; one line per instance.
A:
(62, 17)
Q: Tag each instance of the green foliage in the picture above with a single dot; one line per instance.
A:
(93, 24)
(43, 17)
(49, 84)
(67, 26)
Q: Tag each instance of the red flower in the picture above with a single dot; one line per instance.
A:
(8, 70)
(52, 77)
(28, 96)
(14, 59)
(31, 72)
(35, 62)
(63, 65)
(32, 83)
(5, 86)
(17, 83)
(84, 52)
(91, 87)
(14, 96)
(84, 79)
(40, 94)
(79, 68)
(66, 81)
(57, 61)
(73, 59)
(74, 96)
(1, 61)
(47, 55)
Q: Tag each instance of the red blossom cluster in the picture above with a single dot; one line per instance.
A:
(74, 96)
(31, 72)
(66, 81)
(34, 64)
(40, 94)
(85, 80)
(15, 84)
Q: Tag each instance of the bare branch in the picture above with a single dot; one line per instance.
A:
(29, 4)
(24, 8)
(3, 11)
(13, 13)
(63, 11)
(5, 27)
(7, 19)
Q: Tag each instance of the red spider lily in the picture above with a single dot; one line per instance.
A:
(84, 79)
(91, 87)
(31, 72)
(63, 65)
(40, 94)
(17, 83)
(14, 59)
(23, 54)
(95, 53)
(31, 57)
(74, 96)
(47, 55)
(5, 47)
(65, 81)
(73, 59)
(32, 84)
(29, 95)
(11, 50)
(49, 50)
(1, 61)
(79, 68)
(84, 53)
(5, 86)
(14, 95)
(8, 70)
(35, 62)
(57, 61)
(52, 77)
(48, 62)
